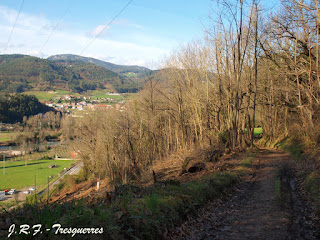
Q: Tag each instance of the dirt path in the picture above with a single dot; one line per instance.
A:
(266, 206)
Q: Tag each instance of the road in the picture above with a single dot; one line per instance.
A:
(71, 171)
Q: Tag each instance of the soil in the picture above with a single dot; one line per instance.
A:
(266, 205)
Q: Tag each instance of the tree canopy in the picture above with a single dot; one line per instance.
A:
(14, 107)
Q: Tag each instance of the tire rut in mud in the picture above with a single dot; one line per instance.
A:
(302, 217)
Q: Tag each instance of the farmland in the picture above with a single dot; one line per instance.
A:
(48, 96)
(94, 94)
(7, 136)
(18, 175)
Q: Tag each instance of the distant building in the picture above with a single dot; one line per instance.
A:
(75, 154)
(102, 106)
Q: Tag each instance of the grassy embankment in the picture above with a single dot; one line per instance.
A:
(131, 212)
(134, 212)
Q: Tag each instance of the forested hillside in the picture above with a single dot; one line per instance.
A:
(110, 66)
(20, 73)
(137, 74)
(96, 73)
(14, 107)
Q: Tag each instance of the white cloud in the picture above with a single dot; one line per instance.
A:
(8, 16)
(102, 30)
(136, 26)
(32, 31)
(125, 22)
(122, 21)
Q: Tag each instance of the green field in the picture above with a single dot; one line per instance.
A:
(42, 96)
(46, 96)
(18, 176)
(258, 131)
(7, 136)
(131, 74)
(12, 136)
(95, 94)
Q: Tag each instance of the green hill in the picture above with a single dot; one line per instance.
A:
(110, 66)
(14, 107)
(92, 72)
(135, 73)
(20, 73)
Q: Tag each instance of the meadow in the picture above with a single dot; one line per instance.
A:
(94, 94)
(21, 174)
(48, 96)
(258, 131)
(7, 136)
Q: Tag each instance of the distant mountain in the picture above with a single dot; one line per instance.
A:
(19, 73)
(120, 69)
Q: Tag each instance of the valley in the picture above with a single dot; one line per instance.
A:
(220, 139)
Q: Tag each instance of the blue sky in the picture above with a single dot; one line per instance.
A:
(145, 32)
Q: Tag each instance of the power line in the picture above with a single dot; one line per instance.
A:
(14, 25)
(106, 27)
(55, 27)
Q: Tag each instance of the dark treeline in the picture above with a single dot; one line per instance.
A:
(13, 108)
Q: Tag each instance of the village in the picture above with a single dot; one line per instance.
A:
(68, 103)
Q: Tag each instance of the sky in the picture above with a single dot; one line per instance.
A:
(143, 34)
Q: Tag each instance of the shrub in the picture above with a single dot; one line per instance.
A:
(224, 137)
(294, 146)
(70, 180)
(312, 183)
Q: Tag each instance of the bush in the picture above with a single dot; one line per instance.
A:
(224, 137)
(312, 183)
(294, 145)
(82, 176)
(70, 180)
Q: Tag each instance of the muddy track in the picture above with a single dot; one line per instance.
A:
(267, 205)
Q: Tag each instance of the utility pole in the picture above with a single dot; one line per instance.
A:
(4, 164)
(4, 158)
(35, 186)
(48, 190)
